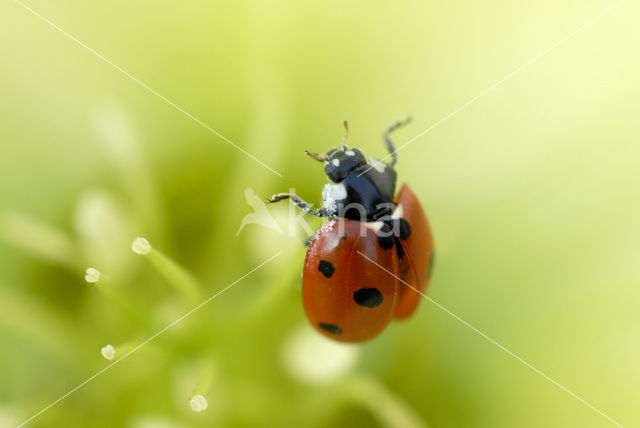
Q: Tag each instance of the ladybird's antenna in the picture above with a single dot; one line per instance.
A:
(392, 127)
(346, 134)
(321, 158)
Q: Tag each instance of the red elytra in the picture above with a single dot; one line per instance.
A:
(353, 286)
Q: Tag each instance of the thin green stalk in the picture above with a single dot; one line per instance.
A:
(177, 276)
(388, 408)
(111, 352)
(123, 148)
(41, 325)
(39, 239)
(207, 374)
(106, 288)
(183, 282)
(269, 296)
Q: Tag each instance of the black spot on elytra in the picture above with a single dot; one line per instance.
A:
(326, 268)
(385, 236)
(368, 297)
(431, 260)
(331, 328)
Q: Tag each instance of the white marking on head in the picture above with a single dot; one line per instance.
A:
(397, 213)
(374, 225)
(350, 153)
(336, 162)
(377, 164)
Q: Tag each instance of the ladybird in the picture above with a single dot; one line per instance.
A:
(364, 265)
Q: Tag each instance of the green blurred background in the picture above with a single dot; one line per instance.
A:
(532, 193)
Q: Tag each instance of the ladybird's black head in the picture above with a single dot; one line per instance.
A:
(340, 162)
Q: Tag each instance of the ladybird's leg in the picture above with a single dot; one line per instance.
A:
(392, 127)
(299, 203)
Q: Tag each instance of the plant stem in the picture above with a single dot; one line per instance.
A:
(182, 281)
(388, 408)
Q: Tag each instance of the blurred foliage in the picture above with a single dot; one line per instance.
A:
(532, 192)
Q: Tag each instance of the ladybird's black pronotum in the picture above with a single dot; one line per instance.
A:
(350, 283)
